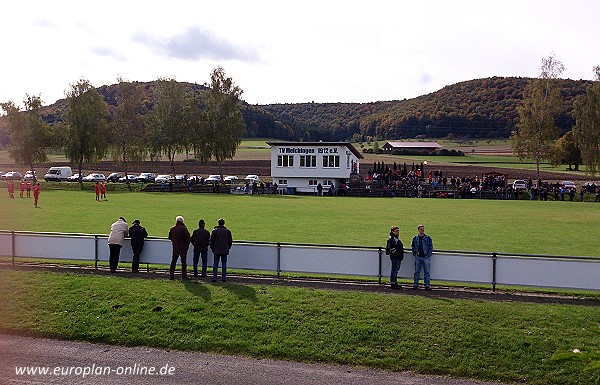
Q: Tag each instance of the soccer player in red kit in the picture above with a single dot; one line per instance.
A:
(36, 194)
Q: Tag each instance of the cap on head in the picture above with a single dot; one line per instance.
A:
(136, 221)
(201, 222)
(179, 219)
(221, 221)
(123, 219)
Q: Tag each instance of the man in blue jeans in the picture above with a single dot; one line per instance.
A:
(422, 247)
(220, 243)
(200, 241)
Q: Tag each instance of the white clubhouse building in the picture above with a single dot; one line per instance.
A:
(302, 166)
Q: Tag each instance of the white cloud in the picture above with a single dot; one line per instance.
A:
(194, 44)
(323, 51)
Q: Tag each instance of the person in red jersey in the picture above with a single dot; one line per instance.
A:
(36, 194)
(103, 191)
(11, 188)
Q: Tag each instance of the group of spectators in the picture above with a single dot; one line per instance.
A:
(219, 240)
(415, 184)
(422, 249)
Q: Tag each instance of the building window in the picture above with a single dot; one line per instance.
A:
(331, 161)
(327, 183)
(308, 161)
(282, 181)
(312, 182)
(285, 161)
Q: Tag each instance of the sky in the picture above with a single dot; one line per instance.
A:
(323, 51)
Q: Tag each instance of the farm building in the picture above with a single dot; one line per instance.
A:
(388, 147)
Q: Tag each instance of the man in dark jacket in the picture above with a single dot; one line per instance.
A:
(180, 239)
(137, 234)
(200, 241)
(220, 243)
(395, 249)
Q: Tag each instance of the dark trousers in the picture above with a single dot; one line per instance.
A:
(113, 260)
(183, 266)
(137, 251)
(197, 255)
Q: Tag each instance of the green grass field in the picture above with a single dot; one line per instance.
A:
(528, 227)
(509, 342)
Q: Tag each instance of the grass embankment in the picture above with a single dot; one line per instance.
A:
(510, 342)
(530, 227)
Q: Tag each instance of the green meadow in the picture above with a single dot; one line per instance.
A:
(505, 341)
(527, 227)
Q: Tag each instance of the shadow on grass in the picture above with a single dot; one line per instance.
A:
(198, 289)
(242, 291)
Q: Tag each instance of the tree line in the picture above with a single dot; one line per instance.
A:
(131, 126)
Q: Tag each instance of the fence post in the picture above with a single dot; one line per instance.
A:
(278, 260)
(13, 246)
(494, 259)
(95, 252)
(380, 264)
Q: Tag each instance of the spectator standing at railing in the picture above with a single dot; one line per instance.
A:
(220, 243)
(422, 248)
(118, 232)
(395, 249)
(200, 242)
(137, 233)
(180, 240)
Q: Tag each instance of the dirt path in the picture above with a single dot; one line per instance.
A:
(72, 359)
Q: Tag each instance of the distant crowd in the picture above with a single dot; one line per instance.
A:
(435, 184)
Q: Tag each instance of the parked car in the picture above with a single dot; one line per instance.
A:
(519, 184)
(94, 177)
(212, 179)
(231, 179)
(113, 177)
(29, 175)
(130, 178)
(179, 178)
(251, 178)
(163, 178)
(146, 177)
(75, 177)
(58, 173)
(569, 185)
(589, 187)
(12, 175)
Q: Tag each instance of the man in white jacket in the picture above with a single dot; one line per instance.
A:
(118, 231)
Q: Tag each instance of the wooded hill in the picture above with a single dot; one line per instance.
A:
(481, 108)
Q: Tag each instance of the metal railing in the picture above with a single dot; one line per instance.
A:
(494, 268)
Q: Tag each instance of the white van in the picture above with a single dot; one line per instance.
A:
(58, 174)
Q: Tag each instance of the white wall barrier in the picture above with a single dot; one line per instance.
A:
(458, 266)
